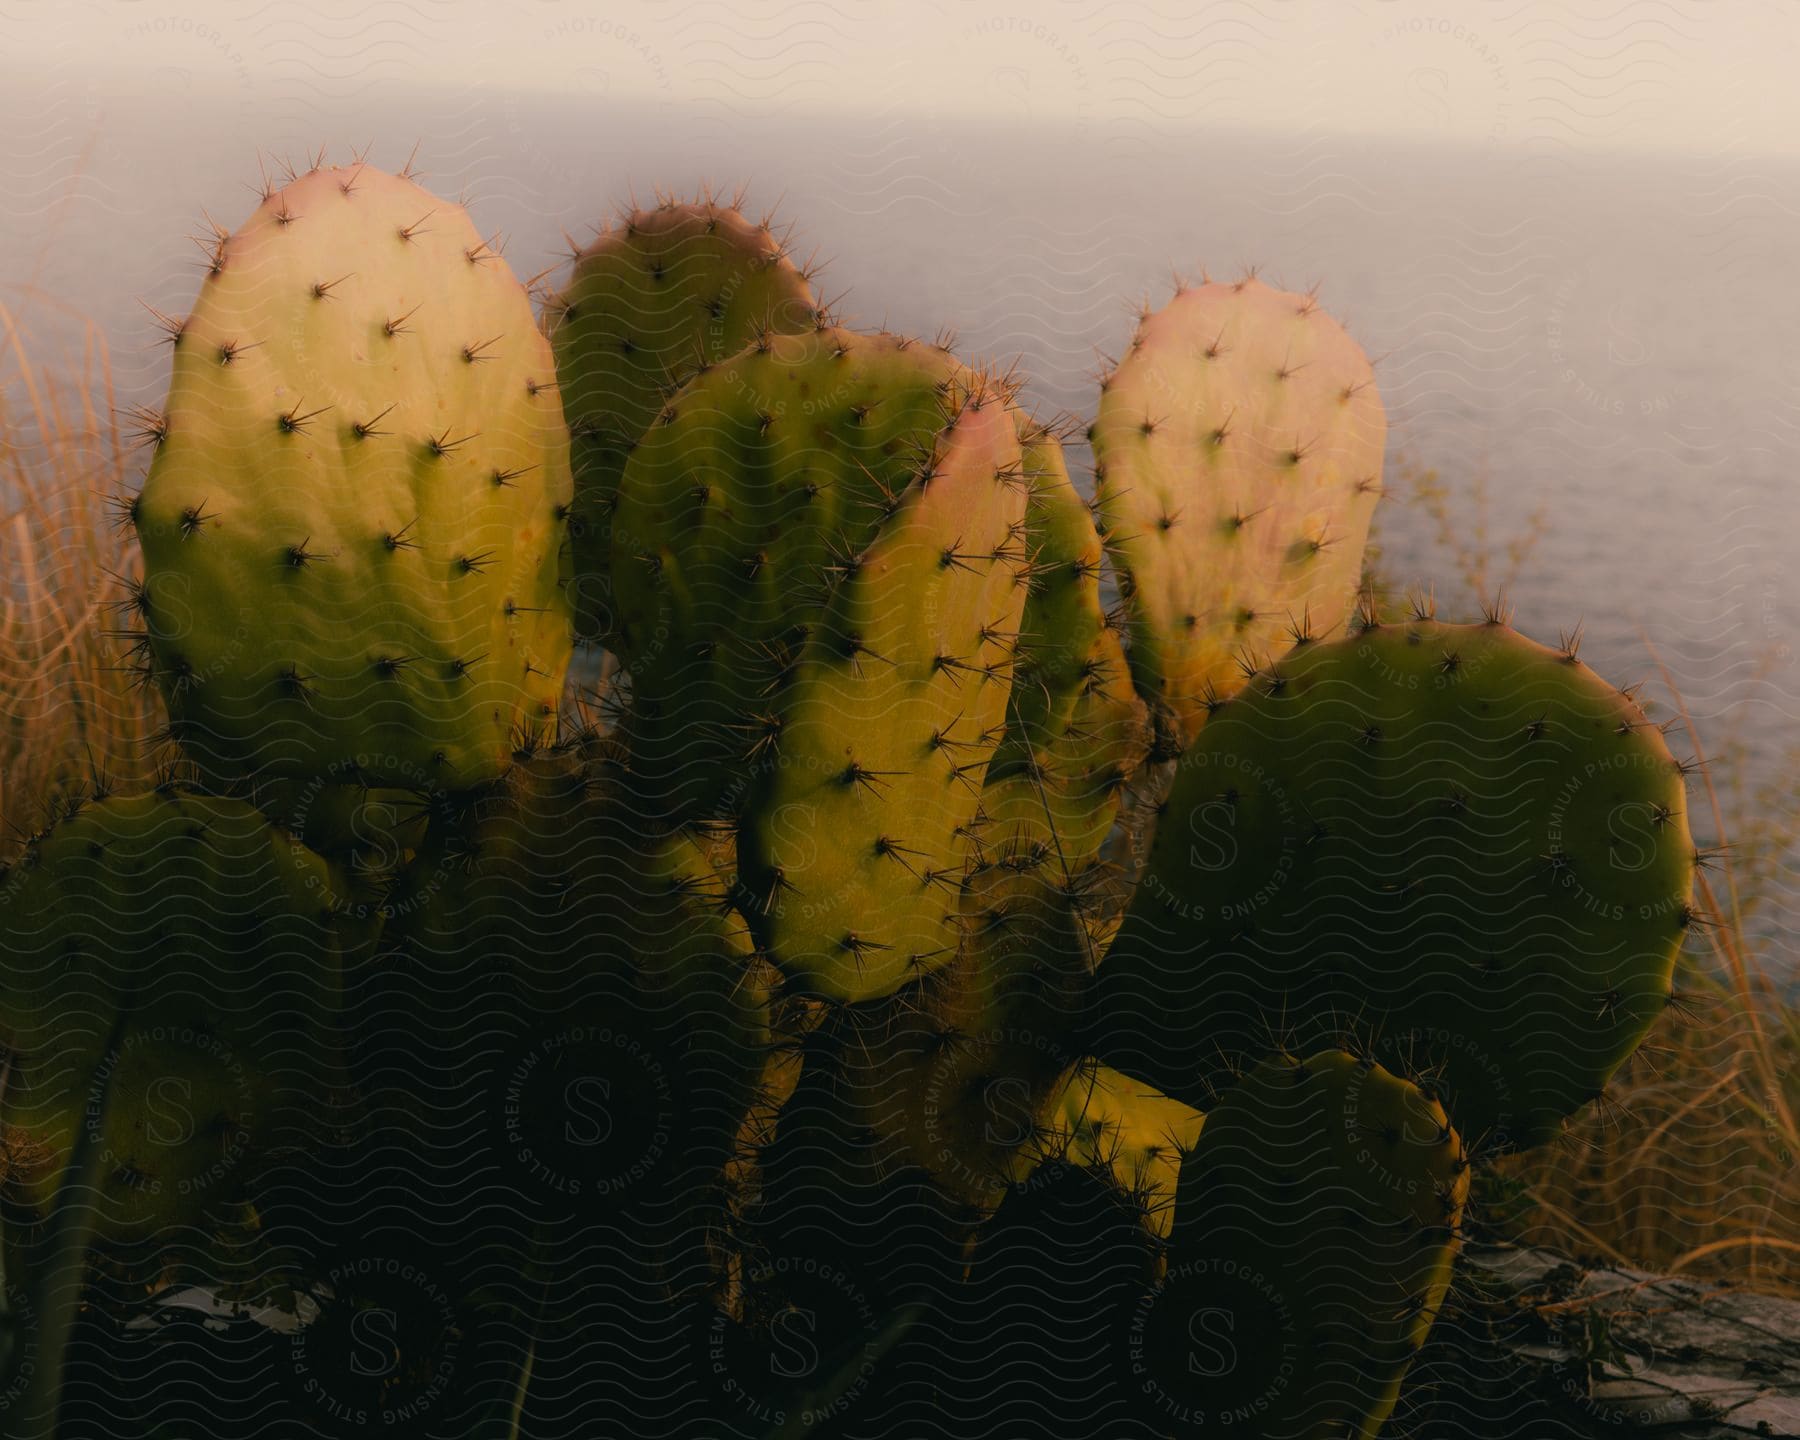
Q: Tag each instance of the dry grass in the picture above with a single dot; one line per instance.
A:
(67, 709)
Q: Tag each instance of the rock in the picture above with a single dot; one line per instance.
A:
(1532, 1344)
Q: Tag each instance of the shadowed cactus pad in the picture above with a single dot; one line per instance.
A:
(1239, 449)
(371, 830)
(950, 1074)
(186, 952)
(1316, 1221)
(658, 295)
(353, 523)
(1104, 1121)
(1448, 838)
(583, 1013)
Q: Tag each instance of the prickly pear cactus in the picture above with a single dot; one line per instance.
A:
(663, 292)
(804, 994)
(1448, 838)
(353, 522)
(1075, 729)
(1316, 1222)
(183, 955)
(856, 837)
(1238, 448)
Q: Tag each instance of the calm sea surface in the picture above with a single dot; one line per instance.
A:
(1606, 344)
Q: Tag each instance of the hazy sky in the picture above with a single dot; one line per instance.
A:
(1646, 74)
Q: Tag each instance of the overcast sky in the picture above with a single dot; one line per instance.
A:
(1684, 75)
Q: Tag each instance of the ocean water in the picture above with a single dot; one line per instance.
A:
(1593, 349)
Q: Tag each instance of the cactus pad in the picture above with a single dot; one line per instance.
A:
(857, 836)
(1103, 1121)
(184, 951)
(1316, 1223)
(1451, 839)
(1239, 450)
(951, 1073)
(763, 484)
(662, 293)
(353, 523)
(551, 945)
(1075, 728)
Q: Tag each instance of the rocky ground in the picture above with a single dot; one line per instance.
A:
(1535, 1347)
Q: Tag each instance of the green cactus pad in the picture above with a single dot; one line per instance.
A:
(766, 480)
(1031, 1344)
(1063, 615)
(187, 953)
(1316, 1224)
(1449, 839)
(856, 837)
(657, 296)
(1238, 447)
(1075, 729)
(353, 523)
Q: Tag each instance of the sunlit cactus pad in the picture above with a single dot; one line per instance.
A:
(353, 525)
(1238, 446)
